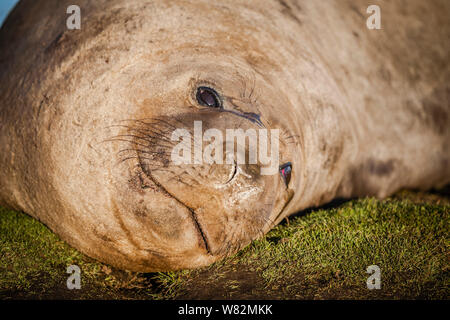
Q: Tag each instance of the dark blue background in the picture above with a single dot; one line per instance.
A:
(5, 7)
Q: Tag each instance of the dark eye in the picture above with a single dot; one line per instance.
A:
(285, 171)
(208, 97)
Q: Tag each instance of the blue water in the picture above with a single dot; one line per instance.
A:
(5, 8)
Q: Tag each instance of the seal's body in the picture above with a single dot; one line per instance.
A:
(87, 116)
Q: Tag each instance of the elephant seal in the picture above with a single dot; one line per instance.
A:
(87, 116)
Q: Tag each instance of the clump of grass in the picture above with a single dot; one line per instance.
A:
(330, 250)
(321, 254)
(325, 254)
(34, 261)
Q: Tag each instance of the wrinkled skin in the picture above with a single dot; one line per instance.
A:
(86, 116)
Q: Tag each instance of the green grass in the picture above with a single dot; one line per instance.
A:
(318, 254)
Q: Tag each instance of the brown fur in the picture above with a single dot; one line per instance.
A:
(86, 115)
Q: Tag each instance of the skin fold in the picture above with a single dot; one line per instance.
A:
(87, 116)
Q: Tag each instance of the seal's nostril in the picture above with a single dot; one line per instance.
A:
(285, 172)
(233, 172)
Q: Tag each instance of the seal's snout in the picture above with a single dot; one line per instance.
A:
(229, 200)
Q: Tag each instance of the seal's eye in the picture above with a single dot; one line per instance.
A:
(208, 97)
(285, 171)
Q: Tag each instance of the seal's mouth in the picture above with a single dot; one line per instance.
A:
(204, 239)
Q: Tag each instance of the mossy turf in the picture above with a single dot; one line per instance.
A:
(318, 254)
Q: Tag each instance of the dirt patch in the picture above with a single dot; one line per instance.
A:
(232, 283)
(439, 197)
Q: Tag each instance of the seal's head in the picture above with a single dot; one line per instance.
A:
(198, 191)
(148, 169)
(211, 153)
